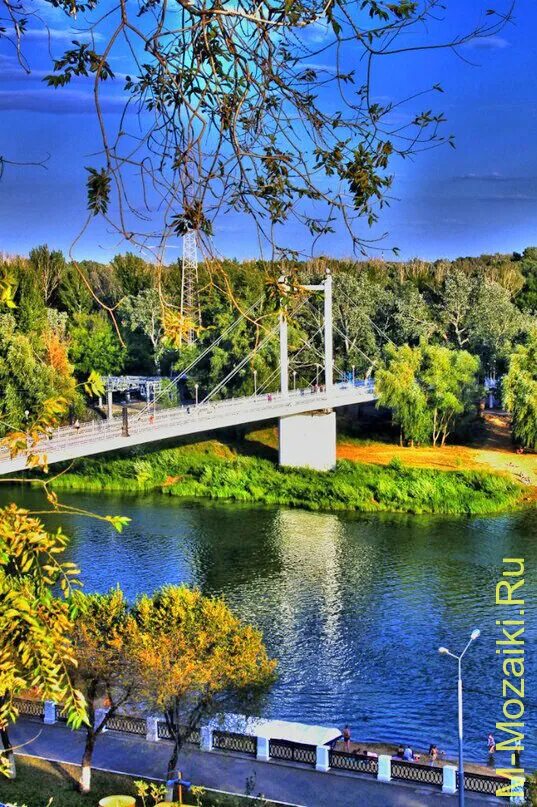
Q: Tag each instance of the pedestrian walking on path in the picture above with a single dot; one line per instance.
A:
(491, 744)
(346, 738)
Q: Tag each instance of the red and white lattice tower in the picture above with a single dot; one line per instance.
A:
(190, 308)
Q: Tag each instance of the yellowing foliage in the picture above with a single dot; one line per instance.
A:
(35, 645)
(177, 328)
(56, 353)
(195, 656)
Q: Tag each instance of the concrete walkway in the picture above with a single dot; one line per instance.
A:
(133, 755)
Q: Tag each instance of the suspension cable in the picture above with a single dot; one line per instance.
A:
(247, 358)
(204, 353)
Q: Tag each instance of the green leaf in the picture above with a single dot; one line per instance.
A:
(94, 385)
(118, 522)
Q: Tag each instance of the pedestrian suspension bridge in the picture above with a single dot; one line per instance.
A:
(307, 423)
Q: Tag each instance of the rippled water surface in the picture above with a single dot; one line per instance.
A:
(354, 607)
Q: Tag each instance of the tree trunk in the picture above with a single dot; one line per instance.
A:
(172, 721)
(9, 755)
(172, 764)
(85, 776)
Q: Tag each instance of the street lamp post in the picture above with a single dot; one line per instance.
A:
(444, 651)
(353, 374)
(294, 380)
(317, 376)
(196, 388)
(255, 383)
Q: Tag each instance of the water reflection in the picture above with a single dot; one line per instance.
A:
(354, 607)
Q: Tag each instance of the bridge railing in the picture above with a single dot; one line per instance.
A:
(70, 437)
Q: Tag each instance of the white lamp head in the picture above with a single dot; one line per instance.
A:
(475, 634)
(443, 650)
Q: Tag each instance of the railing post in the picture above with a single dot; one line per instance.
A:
(206, 738)
(449, 783)
(125, 420)
(151, 731)
(109, 404)
(385, 768)
(322, 759)
(49, 715)
(263, 751)
(100, 715)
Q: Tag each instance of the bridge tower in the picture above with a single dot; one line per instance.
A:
(309, 440)
(190, 308)
(326, 288)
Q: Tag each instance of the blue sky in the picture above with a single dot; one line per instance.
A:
(479, 198)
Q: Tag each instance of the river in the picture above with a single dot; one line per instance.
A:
(353, 606)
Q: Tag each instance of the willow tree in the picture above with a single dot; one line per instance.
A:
(399, 389)
(196, 658)
(520, 391)
(428, 387)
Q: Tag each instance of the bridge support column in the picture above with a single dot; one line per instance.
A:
(328, 334)
(308, 440)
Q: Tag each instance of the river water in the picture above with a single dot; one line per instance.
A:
(353, 606)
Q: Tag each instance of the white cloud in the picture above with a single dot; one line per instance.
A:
(60, 35)
(316, 66)
(487, 43)
(57, 102)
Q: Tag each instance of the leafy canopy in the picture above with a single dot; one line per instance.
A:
(36, 650)
(197, 658)
(428, 387)
(270, 109)
(520, 391)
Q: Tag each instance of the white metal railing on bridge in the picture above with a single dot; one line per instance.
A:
(211, 414)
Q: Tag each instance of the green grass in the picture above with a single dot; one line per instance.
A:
(39, 780)
(215, 471)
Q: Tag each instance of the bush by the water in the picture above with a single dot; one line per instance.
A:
(211, 470)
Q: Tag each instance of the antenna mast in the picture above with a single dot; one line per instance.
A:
(190, 309)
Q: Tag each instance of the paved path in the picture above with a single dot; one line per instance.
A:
(302, 786)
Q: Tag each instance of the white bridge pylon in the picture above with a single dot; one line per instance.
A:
(328, 327)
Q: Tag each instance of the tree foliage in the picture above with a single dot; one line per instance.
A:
(36, 651)
(95, 346)
(105, 671)
(143, 312)
(478, 303)
(520, 391)
(197, 659)
(268, 109)
(428, 387)
(34, 368)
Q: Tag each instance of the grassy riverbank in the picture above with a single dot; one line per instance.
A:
(214, 470)
(41, 783)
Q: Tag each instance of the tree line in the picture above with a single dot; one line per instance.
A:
(64, 321)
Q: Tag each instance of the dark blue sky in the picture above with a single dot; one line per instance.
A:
(480, 197)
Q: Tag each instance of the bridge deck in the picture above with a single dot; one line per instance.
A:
(97, 438)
